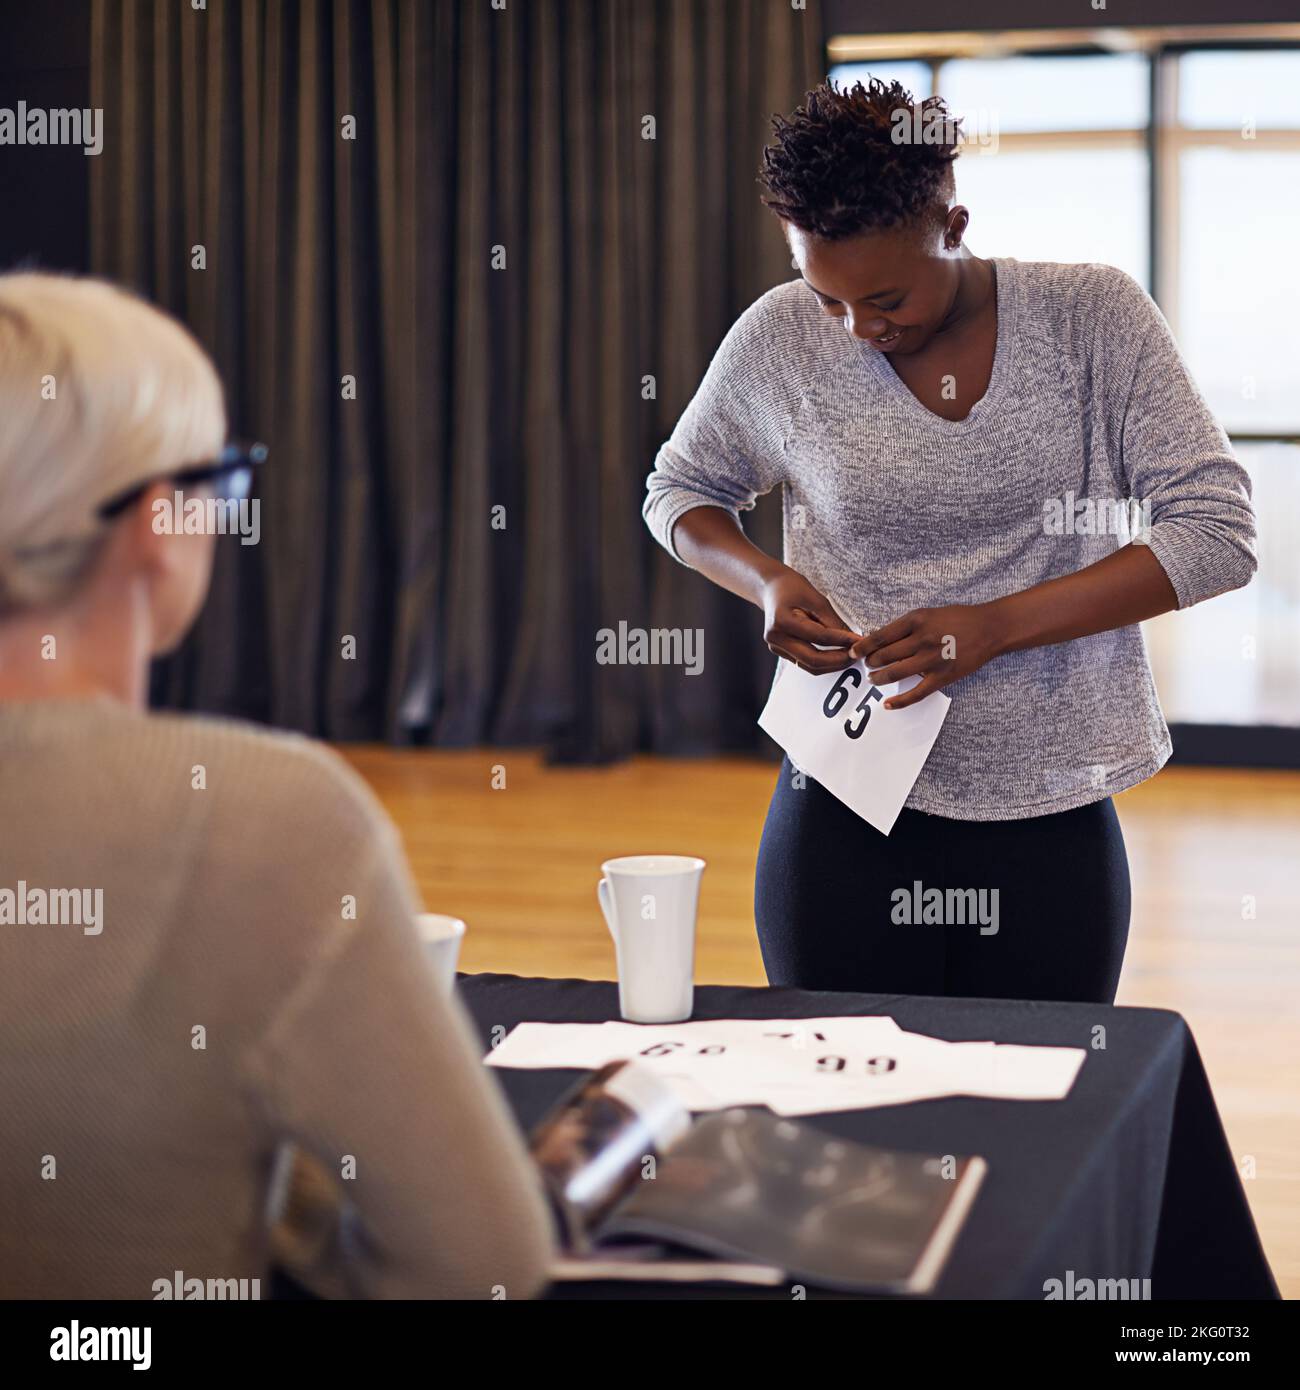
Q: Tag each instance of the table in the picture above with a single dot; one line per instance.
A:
(1129, 1177)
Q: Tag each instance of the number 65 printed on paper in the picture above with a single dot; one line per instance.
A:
(838, 696)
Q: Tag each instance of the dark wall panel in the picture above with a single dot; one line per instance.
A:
(45, 62)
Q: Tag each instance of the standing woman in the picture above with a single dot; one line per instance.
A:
(957, 438)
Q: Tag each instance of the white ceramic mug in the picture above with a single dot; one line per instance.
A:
(441, 937)
(649, 902)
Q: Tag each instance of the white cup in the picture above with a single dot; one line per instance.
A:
(441, 937)
(649, 902)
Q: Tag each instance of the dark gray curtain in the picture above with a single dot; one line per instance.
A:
(478, 387)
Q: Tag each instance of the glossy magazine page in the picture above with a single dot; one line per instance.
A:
(746, 1185)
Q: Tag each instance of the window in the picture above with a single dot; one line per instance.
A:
(1236, 659)
(1231, 146)
(1102, 92)
(1225, 89)
(1048, 138)
(1036, 205)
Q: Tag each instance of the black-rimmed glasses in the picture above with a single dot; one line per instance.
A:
(229, 475)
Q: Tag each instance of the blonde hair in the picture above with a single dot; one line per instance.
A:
(99, 392)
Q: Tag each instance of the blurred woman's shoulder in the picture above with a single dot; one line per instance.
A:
(272, 774)
(247, 787)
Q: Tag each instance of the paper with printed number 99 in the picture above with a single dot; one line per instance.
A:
(835, 727)
(805, 1066)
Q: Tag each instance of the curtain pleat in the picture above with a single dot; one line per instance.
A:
(458, 446)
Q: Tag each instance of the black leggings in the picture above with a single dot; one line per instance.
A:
(838, 904)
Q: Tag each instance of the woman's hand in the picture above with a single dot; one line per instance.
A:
(939, 644)
(796, 616)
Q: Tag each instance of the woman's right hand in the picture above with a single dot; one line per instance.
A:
(710, 539)
(796, 616)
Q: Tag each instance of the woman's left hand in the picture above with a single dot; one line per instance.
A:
(941, 645)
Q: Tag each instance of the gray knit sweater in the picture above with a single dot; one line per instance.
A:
(889, 507)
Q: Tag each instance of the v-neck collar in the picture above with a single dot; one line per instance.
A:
(1008, 286)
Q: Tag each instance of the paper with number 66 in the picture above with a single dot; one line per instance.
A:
(836, 729)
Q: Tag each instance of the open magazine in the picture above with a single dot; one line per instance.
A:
(643, 1192)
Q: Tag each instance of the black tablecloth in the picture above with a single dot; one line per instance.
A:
(1129, 1177)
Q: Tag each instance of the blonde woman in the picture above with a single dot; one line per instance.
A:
(184, 990)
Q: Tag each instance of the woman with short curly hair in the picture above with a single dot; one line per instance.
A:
(993, 471)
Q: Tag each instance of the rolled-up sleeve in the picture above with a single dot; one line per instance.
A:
(1194, 495)
(726, 450)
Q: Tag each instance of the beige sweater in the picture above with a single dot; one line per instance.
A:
(155, 1063)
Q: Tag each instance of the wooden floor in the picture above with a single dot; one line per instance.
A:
(520, 865)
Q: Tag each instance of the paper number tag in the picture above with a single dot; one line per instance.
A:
(836, 728)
